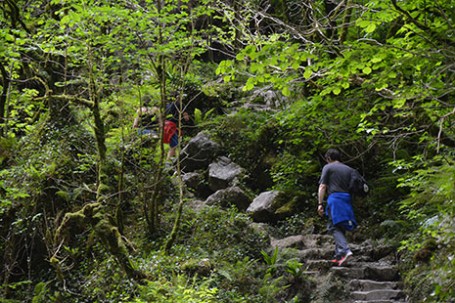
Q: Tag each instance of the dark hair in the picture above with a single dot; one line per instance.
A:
(146, 100)
(333, 155)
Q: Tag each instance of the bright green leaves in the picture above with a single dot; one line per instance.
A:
(13, 41)
(70, 19)
(307, 73)
(367, 26)
(357, 66)
(367, 70)
(227, 69)
(379, 15)
(271, 62)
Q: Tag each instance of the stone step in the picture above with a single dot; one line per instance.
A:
(319, 265)
(368, 285)
(303, 241)
(315, 253)
(367, 272)
(380, 294)
(317, 240)
(371, 275)
(327, 254)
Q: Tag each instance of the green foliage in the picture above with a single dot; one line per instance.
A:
(271, 62)
(271, 260)
(7, 148)
(293, 225)
(382, 94)
(222, 233)
(240, 281)
(431, 207)
(294, 267)
(179, 290)
(297, 176)
(250, 139)
(281, 275)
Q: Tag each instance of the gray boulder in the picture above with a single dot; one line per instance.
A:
(263, 208)
(192, 179)
(199, 153)
(196, 183)
(230, 196)
(223, 173)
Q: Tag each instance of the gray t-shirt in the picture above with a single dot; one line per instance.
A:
(336, 176)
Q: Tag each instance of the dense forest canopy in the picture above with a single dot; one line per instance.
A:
(88, 209)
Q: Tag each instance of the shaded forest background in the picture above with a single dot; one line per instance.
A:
(88, 209)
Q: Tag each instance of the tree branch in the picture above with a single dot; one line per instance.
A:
(417, 23)
(441, 122)
(75, 99)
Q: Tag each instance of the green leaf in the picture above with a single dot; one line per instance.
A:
(240, 57)
(296, 65)
(308, 72)
(376, 59)
(249, 84)
(392, 75)
(285, 91)
(370, 28)
(399, 103)
(381, 87)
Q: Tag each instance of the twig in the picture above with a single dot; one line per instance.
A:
(441, 122)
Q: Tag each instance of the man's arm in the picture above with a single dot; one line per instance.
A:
(136, 119)
(321, 194)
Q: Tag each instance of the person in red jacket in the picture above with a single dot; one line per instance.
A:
(175, 115)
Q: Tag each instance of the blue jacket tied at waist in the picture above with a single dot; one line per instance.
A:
(339, 209)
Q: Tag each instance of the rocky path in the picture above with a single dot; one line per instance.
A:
(370, 275)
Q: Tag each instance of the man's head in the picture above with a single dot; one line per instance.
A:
(147, 100)
(333, 155)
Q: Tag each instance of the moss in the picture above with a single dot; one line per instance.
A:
(287, 209)
(84, 215)
(331, 289)
(418, 283)
(108, 234)
(202, 267)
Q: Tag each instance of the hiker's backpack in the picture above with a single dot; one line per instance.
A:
(358, 186)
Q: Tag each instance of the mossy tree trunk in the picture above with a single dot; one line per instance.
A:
(3, 98)
(96, 214)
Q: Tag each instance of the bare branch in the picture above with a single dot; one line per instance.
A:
(441, 122)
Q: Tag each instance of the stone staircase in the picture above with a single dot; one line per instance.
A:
(370, 275)
(372, 282)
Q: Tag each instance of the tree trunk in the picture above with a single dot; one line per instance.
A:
(3, 98)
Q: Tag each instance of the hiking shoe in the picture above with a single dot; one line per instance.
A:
(345, 258)
(335, 260)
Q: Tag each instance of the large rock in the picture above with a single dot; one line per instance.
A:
(297, 241)
(199, 153)
(196, 205)
(263, 208)
(230, 196)
(196, 183)
(223, 173)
